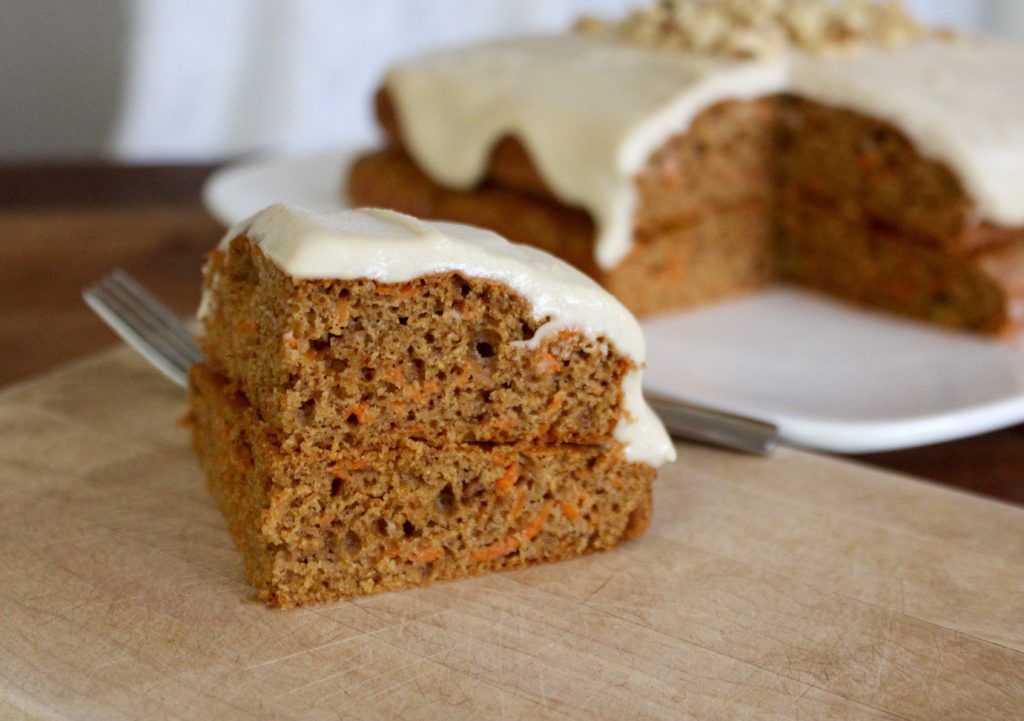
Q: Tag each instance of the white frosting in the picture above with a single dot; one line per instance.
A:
(390, 247)
(590, 112)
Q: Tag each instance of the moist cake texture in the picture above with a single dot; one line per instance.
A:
(388, 402)
(327, 524)
(718, 169)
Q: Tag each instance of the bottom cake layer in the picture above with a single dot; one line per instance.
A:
(877, 267)
(316, 525)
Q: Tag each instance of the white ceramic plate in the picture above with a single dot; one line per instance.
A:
(831, 376)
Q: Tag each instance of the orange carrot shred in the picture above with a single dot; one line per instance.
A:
(514, 540)
(538, 523)
(426, 554)
(508, 479)
(517, 505)
(569, 510)
(495, 550)
(550, 364)
(361, 411)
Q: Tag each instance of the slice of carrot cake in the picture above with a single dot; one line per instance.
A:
(388, 402)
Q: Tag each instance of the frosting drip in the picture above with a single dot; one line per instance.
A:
(390, 247)
(591, 111)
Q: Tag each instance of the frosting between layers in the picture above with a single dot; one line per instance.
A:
(590, 112)
(391, 247)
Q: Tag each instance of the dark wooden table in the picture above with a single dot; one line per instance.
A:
(64, 226)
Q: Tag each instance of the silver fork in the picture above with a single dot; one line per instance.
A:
(148, 326)
(144, 323)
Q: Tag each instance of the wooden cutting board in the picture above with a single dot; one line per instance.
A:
(796, 587)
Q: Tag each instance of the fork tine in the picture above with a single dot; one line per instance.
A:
(161, 316)
(144, 324)
(137, 337)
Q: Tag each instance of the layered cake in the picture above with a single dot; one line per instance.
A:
(388, 402)
(698, 150)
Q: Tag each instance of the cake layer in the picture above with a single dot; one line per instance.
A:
(875, 266)
(442, 358)
(868, 171)
(704, 256)
(319, 525)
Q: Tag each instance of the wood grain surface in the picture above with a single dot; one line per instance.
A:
(64, 226)
(797, 587)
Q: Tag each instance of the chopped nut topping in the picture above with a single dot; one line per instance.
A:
(752, 29)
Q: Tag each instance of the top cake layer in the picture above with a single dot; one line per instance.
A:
(295, 279)
(590, 112)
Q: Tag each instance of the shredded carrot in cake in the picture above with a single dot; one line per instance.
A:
(495, 550)
(361, 411)
(538, 523)
(505, 423)
(426, 554)
(517, 506)
(569, 510)
(514, 540)
(509, 478)
(550, 364)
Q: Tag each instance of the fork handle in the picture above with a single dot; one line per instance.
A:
(696, 423)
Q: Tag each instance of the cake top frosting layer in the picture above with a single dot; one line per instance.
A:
(591, 111)
(391, 247)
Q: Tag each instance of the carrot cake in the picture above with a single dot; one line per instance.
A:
(388, 402)
(696, 150)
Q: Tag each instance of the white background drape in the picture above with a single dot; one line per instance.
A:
(199, 80)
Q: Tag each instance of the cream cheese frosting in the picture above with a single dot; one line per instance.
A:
(591, 111)
(391, 247)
